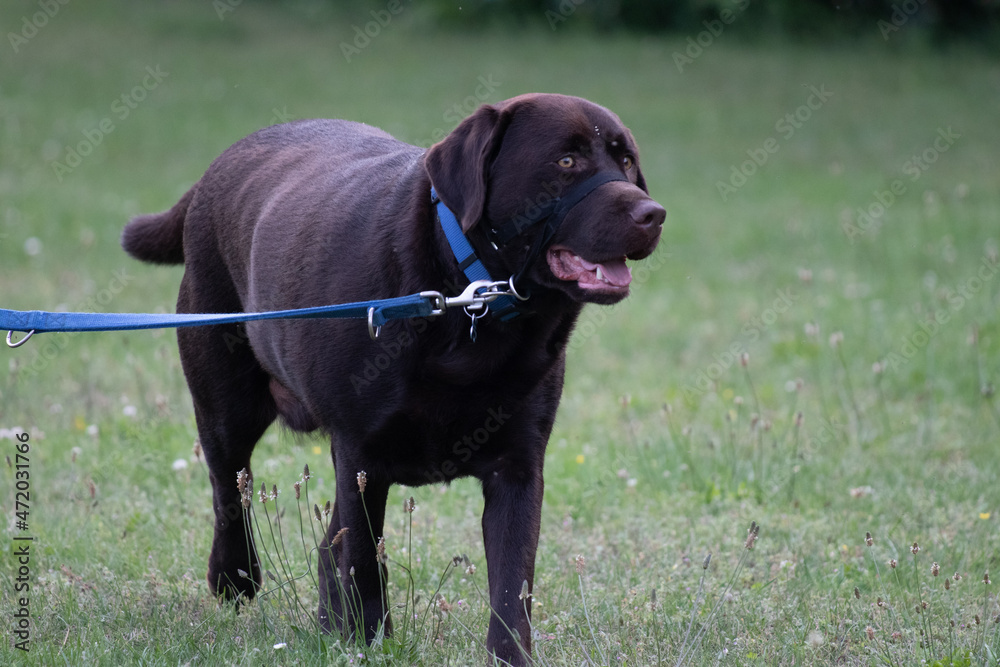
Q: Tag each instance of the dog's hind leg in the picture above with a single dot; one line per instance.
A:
(233, 407)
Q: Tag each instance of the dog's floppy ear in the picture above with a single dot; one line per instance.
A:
(458, 165)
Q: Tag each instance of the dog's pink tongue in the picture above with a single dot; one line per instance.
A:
(617, 272)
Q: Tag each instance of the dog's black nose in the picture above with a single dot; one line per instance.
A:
(647, 213)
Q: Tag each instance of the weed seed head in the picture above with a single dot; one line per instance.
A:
(870, 631)
(524, 590)
(581, 563)
(409, 505)
(868, 539)
(836, 339)
(263, 493)
(857, 593)
(935, 569)
(244, 483)
(243, 574)
(298, 489)
(338, 537)
(305, 473)
(893, 563)
(947, 584)
(986, 578)
(274, 492)
(470, 569)
(799, 419)
(744, 359)
(751, 536)
(380, 551)
(362, 481)
(319, 517)
(915, 549)
(708, 559)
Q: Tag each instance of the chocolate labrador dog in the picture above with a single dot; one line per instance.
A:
(546, 189)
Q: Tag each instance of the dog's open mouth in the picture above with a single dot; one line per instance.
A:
(610, 276)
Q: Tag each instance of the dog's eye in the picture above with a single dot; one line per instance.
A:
(628, 162)
(567, 162)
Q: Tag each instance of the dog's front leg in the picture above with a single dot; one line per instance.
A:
(511, 521)
(352, 573)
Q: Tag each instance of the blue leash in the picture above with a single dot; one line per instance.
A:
(482, 290)
(424, 304)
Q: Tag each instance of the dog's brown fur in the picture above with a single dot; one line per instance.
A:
(319, 212)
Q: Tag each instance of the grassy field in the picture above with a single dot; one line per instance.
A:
(814, 347)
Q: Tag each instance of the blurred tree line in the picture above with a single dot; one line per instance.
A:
(940, 19)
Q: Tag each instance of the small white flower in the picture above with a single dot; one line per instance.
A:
(280, 645)
(92, 430)
(180, 464)
(32, 246)
(130, 411)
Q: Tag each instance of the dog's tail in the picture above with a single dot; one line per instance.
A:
(159, 237)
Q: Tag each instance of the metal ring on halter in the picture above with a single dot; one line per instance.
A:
(513, 290)
(373, 330)
(19, 343)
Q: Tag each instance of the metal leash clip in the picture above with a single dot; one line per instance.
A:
(480, 293)
(475, 300)
(10, 339)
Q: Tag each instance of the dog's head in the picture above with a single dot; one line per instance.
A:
(505, 164)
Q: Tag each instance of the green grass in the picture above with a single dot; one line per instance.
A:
(657, 458)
